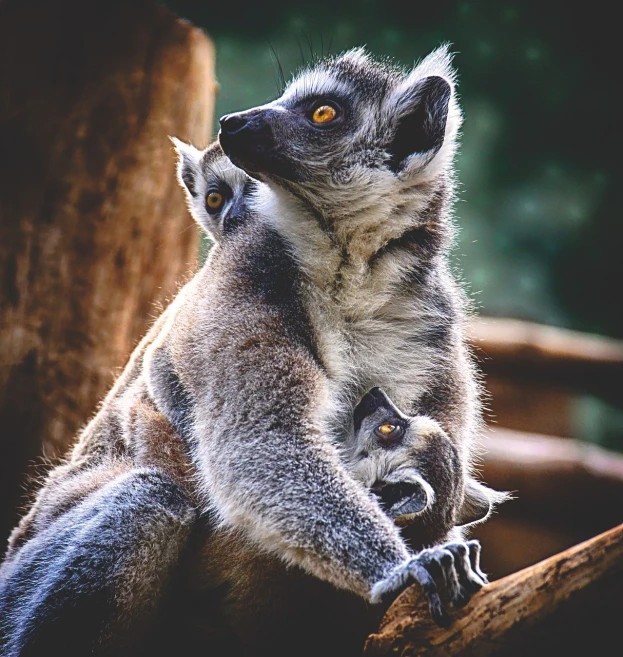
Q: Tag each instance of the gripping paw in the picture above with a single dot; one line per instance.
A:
(450, 571)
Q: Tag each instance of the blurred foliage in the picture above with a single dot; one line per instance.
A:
(541, 235)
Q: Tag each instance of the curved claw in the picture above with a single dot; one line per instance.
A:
(472, 580)
(440, 561)
(419, 569)
(474, 557)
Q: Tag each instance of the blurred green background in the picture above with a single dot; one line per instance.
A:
(539, 211)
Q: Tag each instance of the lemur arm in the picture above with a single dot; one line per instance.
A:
(92, 580)
(267, 469)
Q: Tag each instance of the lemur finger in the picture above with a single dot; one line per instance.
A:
(474, 557)
(396, 580)
(442, 560)
(470, 580)
(421, 574)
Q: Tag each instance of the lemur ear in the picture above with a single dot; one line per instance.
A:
(422, 108)
(479, 502)
(370, 403)
(188, 167)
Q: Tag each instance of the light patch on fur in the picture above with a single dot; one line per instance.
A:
(309, 83)
(427, 427)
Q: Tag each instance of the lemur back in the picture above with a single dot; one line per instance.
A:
(216, 193)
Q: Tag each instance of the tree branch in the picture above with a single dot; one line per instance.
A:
(562, 599)
(523, 351)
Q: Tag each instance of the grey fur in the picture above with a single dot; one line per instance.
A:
(342, 277)
(338, 282)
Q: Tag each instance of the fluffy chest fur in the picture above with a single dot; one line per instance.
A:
(385, 347)
(382, 305)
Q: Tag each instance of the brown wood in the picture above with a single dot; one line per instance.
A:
(560, 606)
(94, 235)
(549, 356)
(566, 491)
(562, 482)
(530, 405)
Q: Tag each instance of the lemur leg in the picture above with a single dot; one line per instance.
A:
(93, 580)
(88, 571)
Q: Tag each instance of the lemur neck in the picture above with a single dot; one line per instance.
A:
(377, 248)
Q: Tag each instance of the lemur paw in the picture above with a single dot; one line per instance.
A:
(452, 569)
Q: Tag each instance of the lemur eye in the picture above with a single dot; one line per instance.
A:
(324, 114)
(388, 431)
(214, 201)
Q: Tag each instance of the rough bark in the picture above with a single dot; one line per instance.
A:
(565, 605)
(94, 234)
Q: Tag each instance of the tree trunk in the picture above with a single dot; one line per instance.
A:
(567, 605)
(94, 234)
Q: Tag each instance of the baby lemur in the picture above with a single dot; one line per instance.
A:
(414, 469)
(338, 282)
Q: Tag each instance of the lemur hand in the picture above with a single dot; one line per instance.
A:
(453, 566)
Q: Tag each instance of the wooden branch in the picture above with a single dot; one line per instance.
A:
(550, 356)
(566, 491)
(559, 481)
(94, 232)
(520, 614)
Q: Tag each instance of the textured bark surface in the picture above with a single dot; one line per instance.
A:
(566, 605)
(93, 229)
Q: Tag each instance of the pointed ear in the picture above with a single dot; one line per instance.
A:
(370, 403)
(422, 108)
(188, 166)
(479, 502)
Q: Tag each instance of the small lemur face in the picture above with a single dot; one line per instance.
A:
(413, 468)
(217, 192)
(347, 125)
(387, 446)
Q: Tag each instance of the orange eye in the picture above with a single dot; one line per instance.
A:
(214, 201)
(387, 429)
(324, 114)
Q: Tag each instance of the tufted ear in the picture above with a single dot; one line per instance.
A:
(188, 166)
(422, 108)
(479, 502)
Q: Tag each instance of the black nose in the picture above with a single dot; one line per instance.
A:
(233, 123)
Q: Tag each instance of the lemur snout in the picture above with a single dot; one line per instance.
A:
(233, 123)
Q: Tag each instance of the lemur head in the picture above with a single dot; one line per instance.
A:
(351, 134)
(413, 468)
(217, 192)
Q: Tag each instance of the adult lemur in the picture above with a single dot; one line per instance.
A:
(259, 364)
